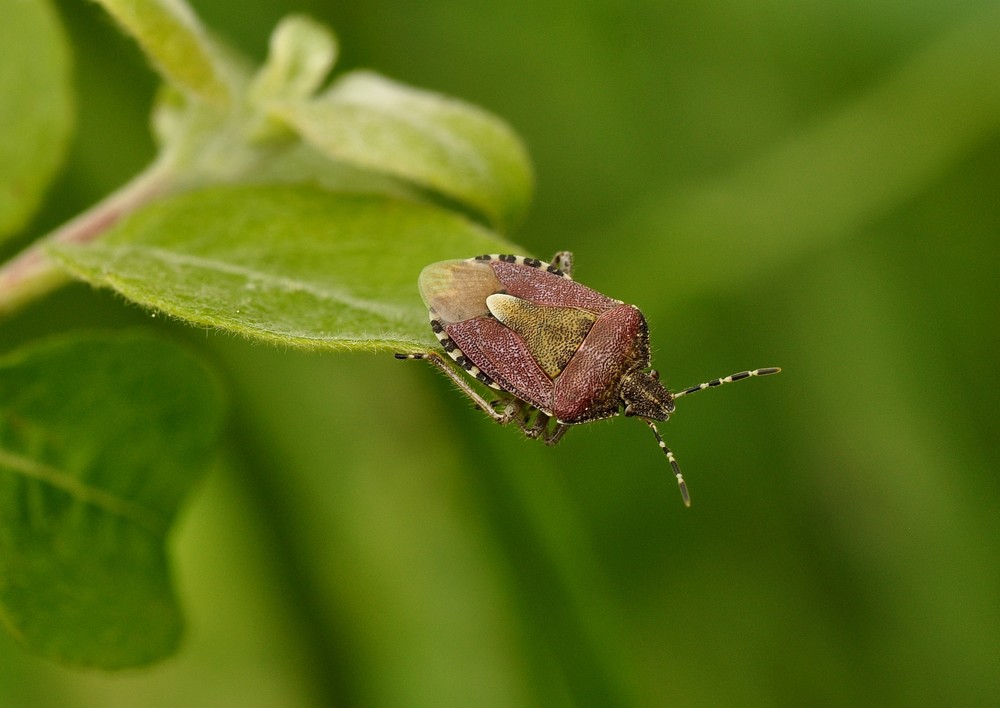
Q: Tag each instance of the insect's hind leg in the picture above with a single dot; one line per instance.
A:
(532, 422)
(509, 412)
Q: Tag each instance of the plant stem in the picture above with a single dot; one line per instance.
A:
(32, 273)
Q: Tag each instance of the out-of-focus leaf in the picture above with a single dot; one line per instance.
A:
(173, 38)
(831, 179)
(294, 265)
(36, 107)
(439, 143)
(302, 52)
(101, 437)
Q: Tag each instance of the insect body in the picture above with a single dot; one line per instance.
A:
(560, 353)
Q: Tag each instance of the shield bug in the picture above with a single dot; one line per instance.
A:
(559, 353)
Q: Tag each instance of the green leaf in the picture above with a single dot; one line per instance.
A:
(442, 144)
(36, 107)
(101, 437)
(173, 38)
(302, 52)
(294, 265)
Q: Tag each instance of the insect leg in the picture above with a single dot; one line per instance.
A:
(510, 411)
(532, 429)
(555, 435)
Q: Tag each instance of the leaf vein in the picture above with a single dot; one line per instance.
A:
(139, 514)
(272, 280)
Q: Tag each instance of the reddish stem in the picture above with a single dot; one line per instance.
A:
(32, 273)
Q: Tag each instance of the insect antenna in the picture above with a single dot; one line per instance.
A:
(729, 379)
(673, 463)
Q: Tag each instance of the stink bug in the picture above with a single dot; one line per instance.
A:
(560, 353)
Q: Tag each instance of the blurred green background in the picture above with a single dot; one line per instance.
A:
(773, 182)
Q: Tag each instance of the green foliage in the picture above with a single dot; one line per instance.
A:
(101, 438)
(274, 211)
(36, 108)
(219, 121)
(805, 184)
(174, 40)
(442, 144)
(301, 54)
(291, 265)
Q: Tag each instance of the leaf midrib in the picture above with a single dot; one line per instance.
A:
(268, 280)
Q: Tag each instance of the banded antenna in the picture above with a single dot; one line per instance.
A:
(694, 389)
